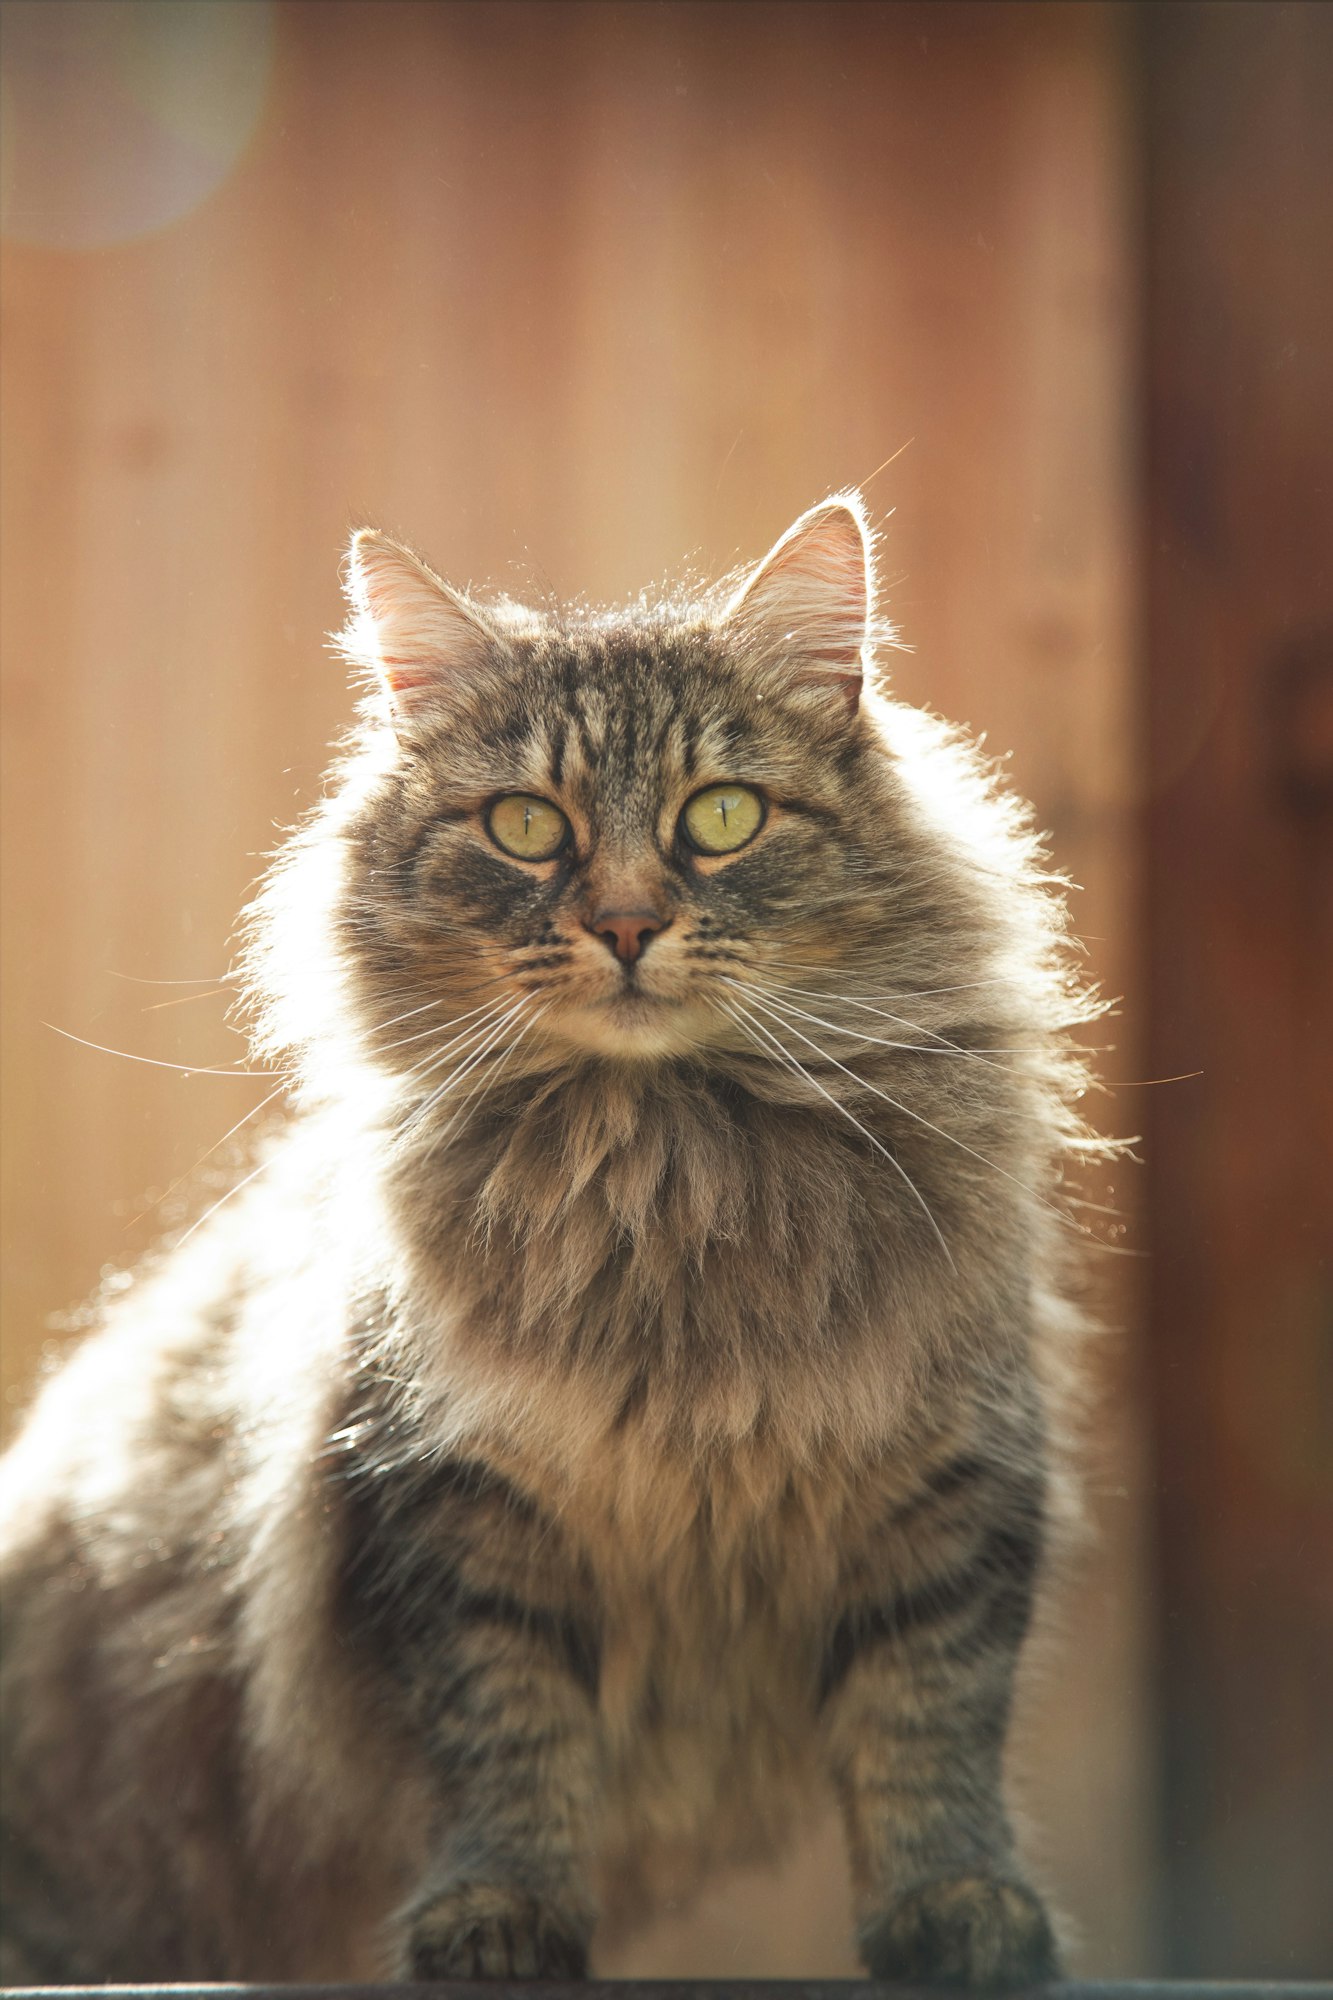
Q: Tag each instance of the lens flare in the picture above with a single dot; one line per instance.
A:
(122, 116)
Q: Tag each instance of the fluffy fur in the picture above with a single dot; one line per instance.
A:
(627, 1400)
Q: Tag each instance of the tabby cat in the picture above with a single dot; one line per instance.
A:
(628, 1397)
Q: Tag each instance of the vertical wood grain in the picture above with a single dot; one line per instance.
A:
(574, 296)
(1239, 574)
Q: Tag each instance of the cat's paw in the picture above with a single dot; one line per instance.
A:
(475, 1931)
(971, 1931)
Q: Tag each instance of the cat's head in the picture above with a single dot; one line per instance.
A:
(595, 827)
(645, 835)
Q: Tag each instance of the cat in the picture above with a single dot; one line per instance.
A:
(630, 1398)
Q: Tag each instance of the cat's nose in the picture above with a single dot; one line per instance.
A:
(626, 932)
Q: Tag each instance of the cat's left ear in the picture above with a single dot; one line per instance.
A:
(425, 642)
(808, 604)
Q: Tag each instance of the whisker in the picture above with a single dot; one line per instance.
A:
(411, 1012)
(912, 1048)
(1150, 1082)
(184, 999)
(156, 1062)
(901, 1021)
(756, 1029)
(907, 1112)
(913, 993)
(167, 1193)
(478, 1058)
(439, 1056)
(490, 1034)
(487, 1079)
(253, 1175)
(437, 1028)
(138, 979)
(438, 1001)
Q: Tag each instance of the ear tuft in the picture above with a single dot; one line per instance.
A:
(808, 604)
(421, 639)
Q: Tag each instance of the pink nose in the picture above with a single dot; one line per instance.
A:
(626, 932)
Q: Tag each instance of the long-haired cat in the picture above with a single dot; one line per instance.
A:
(624, 1399)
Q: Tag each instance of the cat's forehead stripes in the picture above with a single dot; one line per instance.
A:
(619, 726)
(596, 724)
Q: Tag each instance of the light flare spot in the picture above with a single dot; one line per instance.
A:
(122, 116)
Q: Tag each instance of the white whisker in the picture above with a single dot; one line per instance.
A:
(458, 1044)
(487, 1080)
(230, 1134)
(437, 1028)
(156, 1062)
(919, 1119)
(756, 1028)
(490, 1034)
(394, 1019)
(222, 1199)
(948, 1048)
(138, 979)
(184, 999)
(901, 1021)
(912, 993)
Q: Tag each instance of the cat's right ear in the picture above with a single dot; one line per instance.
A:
(424, 643)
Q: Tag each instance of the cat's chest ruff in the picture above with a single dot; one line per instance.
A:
(700, 1547)
(713, 1270)
(644, 1193)
(713, 1588)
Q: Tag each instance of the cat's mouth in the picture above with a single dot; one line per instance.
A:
(632, 1020)
(632, 1008)
(633, 995)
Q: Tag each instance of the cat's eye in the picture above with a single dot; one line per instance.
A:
(723, 818)
(530, 829)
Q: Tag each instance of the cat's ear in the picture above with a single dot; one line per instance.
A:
(424, 642)
(808, 604)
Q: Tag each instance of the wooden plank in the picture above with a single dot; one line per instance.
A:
(1240, 655)
(706, 1989)
(570, 295)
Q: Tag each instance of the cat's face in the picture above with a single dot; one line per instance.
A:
(589, 835)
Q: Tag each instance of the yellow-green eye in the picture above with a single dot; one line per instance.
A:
(529, 829)
(723, 818)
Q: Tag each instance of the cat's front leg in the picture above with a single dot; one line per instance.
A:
(477, 1930)
(514, 1758)
(490, 1636)
(514, 1755)
(916, 1695)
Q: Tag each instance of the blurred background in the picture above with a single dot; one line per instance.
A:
(576, 296)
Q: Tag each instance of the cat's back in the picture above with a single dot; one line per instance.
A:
(130, 1512)
(140, 1430)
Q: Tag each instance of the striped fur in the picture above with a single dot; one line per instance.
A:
(630, 1401)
